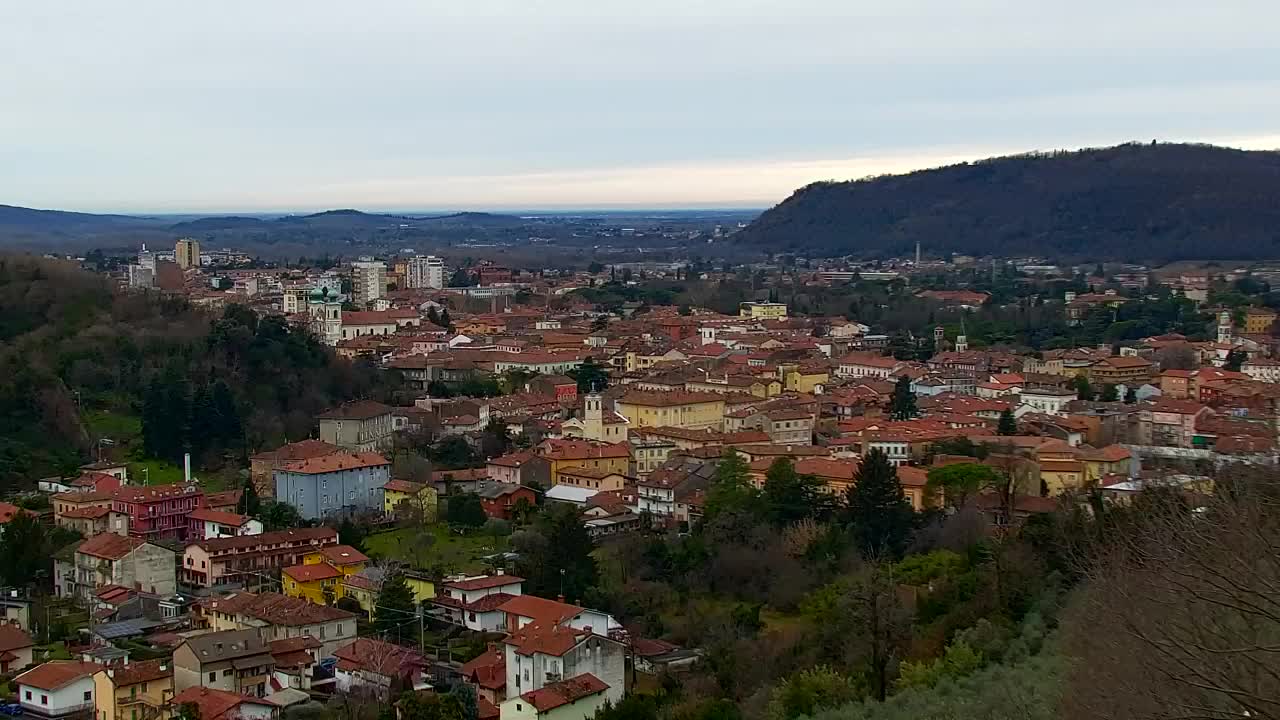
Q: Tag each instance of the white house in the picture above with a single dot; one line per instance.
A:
(206, 524)
(1049, 401)
(374, 664)
(58, 688)
(1263, 369)
(862, 365)
(473, 602)
(573, 699)
(543, 653)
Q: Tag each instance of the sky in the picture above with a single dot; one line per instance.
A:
(270, 105)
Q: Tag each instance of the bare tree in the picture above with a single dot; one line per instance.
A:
(1180, 614)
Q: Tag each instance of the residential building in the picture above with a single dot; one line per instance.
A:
(278, 617)
(1177, 384)
(543, 653)
(563, 454)
(473, 602)
(1258, 320)
(1121, 370)
(499, 500)
(226, 561)
(866, 365)
(134, 690)
(89, 513)
(295, 661)
(158, 512)
(15, 647)
(57, 689)
(411, 498)
(319, 583)
(222, 705)
(331, 485)
(525, 467)
(348, 560)
(208, 524)
(578, 697)
(1050, 401)
(1060, 467)
(186, 253)
(1261, 369)
(374, 665)
(360, 426)
(763, 310)
(525, 609)
(237, 661)
(786, 427)
(682, 409)
(368, 281)
(263, 465)
(593, 479)
(425, 272)
(110, 559)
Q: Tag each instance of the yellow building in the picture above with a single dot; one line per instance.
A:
(137, 691)
(591, 479)
(691, 410)
(1060, 467)
(422, 587)
(319, 583)
(576, 454)
(418, 497)
(803, 379)
(344, 558)
(1258, 321)
(1110, 460)
(763, 310)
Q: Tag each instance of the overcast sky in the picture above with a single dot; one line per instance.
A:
(142, 105)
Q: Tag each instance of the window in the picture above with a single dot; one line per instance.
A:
(88, 695)
(213, 677)
(226, 673)
(28, 694)
(44, 699)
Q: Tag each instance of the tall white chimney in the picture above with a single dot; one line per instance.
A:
(186, 467)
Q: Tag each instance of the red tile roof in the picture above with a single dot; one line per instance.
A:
(404, 486)
(140, 672)
(343, 555)
(378, 657)
(335, 462)
(274, 537)
(483, 583)
(213, 704)
(110, 546)
(56, 673)
(153, 493)
(565, 692)
(313, 572)
(539, 609)
(358, 410)
(13, 637)
(277, 609)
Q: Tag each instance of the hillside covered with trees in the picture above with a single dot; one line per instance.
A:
(1143, 203)
(85, 366)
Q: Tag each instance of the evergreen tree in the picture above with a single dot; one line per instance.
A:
(1007, 425)
(731, 489)
(1234, 360)
(1131, 396)
(433, 315)
(250, 504)
(1084, 391)
(903, 406)
(555, 557)
(880, 516)
(465, 510)
(788, 496)
(395, 606)
(591, 376)
(226, 418)
(446, 322)
(1110, 393)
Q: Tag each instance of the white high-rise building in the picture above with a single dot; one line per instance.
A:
(368, 280)
(425, 271)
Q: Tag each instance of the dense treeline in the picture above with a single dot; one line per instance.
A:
(1132, 202)
(80, 360)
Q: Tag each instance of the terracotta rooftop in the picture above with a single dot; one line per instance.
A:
(669, 399)
(300, 450)
(213, 704)
(274, 537)
(140, 672)
(277, 609)
(336, 462)
(312, 572)
(343, 555)
(378, 657)
(56, 674)
(486, 582)
(153, 493)
(218, 516)
(565, 692)
(404, 486)
(539, 609)
(110, 546)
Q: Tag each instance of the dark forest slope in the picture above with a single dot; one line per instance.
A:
(1132, 202)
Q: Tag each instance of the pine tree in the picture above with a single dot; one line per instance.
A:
(226, 418)
(788, 496)
(903, 406)
(445, 321)
(250, 504)
(1008, 425)
(880, 516)
(395, 608)
(433, 316)
(731, 489)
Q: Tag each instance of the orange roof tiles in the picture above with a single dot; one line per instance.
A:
(313, 572)
(110, 546)
(565, 692)
(336, 462)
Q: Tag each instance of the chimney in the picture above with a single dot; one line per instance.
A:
(186, 467)
(111, 672)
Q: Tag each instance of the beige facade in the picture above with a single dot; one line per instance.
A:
(135, 691)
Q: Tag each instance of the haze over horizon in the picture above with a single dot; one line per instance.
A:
(147, 107)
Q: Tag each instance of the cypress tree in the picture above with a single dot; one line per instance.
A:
(880, 516)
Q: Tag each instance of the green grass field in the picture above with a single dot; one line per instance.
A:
(435, 547)
(157, 472)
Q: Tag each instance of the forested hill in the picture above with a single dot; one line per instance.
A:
(1131, 202)
(81, 360)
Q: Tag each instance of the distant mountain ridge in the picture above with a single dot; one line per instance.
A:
(1135, 202)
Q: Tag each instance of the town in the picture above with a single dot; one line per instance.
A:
(464, 533)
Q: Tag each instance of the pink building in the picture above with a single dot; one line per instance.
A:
(158, 512)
